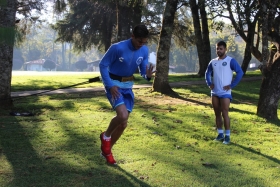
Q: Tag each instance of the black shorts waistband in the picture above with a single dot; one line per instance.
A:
(121, 79)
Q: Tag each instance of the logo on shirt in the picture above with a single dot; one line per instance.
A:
(224, 63)
(139, 61)
(215, 64)
(121, 59)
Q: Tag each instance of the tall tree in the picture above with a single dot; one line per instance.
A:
(244, 16)
(200, 23)
(205, 38)
(8, 10)
(87, 23)
(161, 83)
(270, 87)
(99, 23)
(259, 17)
(7, 35)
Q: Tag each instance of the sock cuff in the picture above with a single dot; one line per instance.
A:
(106, 137)
(220, 131)
(227, 132)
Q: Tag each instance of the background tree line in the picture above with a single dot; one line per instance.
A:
(40, 44)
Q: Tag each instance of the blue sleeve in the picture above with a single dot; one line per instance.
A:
(208, 73)
(104, 64)
(239, 73)
(143, 65)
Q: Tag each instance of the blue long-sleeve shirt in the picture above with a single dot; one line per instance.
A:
(222, 74)
(122, 59)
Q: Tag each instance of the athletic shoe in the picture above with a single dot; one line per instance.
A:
(109, 158)
(220, 137)
(227, 140)
(105, 145)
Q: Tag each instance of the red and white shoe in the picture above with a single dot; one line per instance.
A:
(109, 158)
(105, 145)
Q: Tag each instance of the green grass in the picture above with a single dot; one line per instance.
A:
(168, 142)
(55, 80)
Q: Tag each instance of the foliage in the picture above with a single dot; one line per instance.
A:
(183, 29)
(18, 59)
(106, 22)
(25, 18)
(86, 28)
(41, 43)
(7, 35)
(17, 64)
(3, 2)
(81, 65)
(33, 54)
(49, 64)
(180, 69)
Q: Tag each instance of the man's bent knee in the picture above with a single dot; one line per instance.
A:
(122, 117)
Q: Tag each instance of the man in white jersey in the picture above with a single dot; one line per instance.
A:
(221, 84)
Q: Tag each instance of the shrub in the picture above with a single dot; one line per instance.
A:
(81, 65)
(49, 65)
(17, 64)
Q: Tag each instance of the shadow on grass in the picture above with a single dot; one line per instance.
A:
(201, 170)
(177, 96)
(257, 153)
(25, 163)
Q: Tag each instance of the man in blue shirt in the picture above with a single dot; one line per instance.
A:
(222, 68)
(117, 67)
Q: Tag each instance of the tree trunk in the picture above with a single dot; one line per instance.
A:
(161, 83)
(270, 87)
(129, 14)
(247, 57)
(7, 24)
(107, 30)
(264, 18)
(198, 36)
(124, 14)
(270, 90)
(205, 37)
(137, 13)
(70, 57)
(63, 49)
(249, 49)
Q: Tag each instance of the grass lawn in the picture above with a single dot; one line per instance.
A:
(28, 80)
(168, 142)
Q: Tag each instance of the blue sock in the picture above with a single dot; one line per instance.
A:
(227, 132)
(220, 131)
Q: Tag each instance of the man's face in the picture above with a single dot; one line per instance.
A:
(220, 50)
(139, 42)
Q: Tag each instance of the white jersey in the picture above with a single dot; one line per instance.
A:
(222, 74)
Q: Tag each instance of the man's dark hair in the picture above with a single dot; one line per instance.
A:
(222, 43)
(140, 31)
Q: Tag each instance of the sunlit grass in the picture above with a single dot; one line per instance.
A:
(168, 142)
(22, 81)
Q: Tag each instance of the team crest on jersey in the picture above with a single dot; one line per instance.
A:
(139, 61)
(121, 59)
(224, 63)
